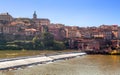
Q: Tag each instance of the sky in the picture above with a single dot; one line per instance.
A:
(82, 13)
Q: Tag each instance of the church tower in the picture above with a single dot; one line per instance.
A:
(34, 15)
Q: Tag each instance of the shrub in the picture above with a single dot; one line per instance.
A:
(58, 45)
(9, 47)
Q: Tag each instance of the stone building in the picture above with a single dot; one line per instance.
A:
(10, 29)
(6, 17)
(87, 44)
(119, 33)
(40, 21)
(72, 31)
(58, 31)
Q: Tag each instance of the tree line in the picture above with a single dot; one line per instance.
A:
(45, 41)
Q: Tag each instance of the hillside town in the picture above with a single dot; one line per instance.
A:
(104, 37)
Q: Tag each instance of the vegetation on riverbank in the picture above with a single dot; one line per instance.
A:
(39, 45)
(45, 41)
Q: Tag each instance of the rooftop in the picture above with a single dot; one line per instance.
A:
(4, 13)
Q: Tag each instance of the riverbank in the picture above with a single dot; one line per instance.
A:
(113, 52)
(15, 63)
(22, 53)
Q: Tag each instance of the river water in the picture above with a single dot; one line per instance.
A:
(83, 65)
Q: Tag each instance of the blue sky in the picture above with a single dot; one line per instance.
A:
(81, 13)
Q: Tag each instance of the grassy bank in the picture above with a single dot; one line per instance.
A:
(21, 53)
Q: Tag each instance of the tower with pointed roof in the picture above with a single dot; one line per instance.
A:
(34, 15)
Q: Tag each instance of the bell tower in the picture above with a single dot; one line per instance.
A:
(34, 15)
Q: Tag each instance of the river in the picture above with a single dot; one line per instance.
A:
(83, 65)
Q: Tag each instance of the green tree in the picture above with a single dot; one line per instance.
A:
(2, 40)
(58, 45)
(28, 46)
(37, 43)
(66, 43)
(48, 40)
(45, 28)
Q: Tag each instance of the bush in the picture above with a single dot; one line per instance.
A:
(2, 42)
(2, 47)
(27, 46)
(58, 45)
(13, 48)
(10, 47)
(22, 44)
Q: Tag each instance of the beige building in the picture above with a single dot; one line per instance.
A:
(40, 21)
(6, 17)
(31, 32)
(10, 30)
(118, 32)
(73, 32)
